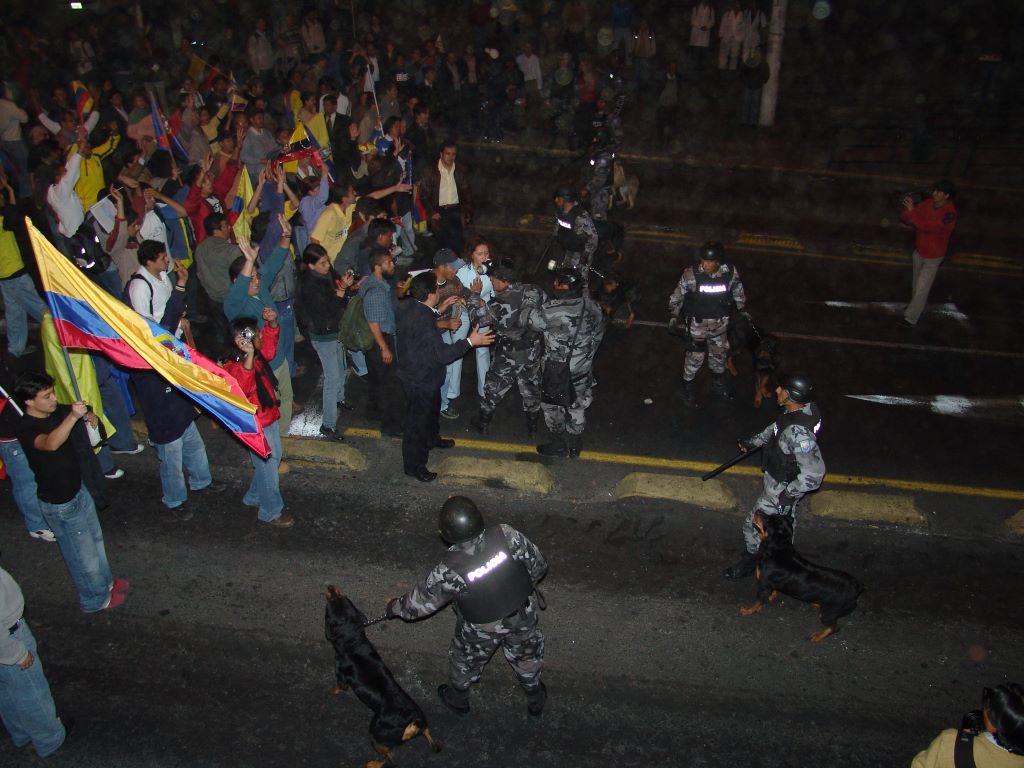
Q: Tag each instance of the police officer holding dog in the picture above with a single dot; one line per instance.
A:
(700, 307)
(489, 573)
(791, 461)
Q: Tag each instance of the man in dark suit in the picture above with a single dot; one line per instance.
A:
(337, 127)
(447, 197)
(422, 357)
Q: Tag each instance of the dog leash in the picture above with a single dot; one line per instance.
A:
(380, 618)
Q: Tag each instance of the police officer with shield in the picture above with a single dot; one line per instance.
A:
(575, 232)
(700, 307)
(489, 573)
(790, 459)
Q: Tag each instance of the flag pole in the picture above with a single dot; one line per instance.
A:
(11, 400)
(71, 373)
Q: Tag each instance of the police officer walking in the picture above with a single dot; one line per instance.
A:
(607, 133)
(517, 349)
(791, 462)
(489, 573)
(573, 325)
(700, 307)
(575, 232)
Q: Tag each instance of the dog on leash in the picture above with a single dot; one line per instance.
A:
(765, 351)
(780, 568)
(357, 665)
(625, 186)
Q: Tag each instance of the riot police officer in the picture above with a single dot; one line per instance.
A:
(790, 459)
(517, 349)
(489, 573)
(607, 133)
(575, 232)
(700, 307)
(573, 325)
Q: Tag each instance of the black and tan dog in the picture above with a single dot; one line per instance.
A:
(765, 352)
(780, 568)
(357, 665)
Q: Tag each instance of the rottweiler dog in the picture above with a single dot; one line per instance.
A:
(357, 665)
(780, 568)
(765, 351)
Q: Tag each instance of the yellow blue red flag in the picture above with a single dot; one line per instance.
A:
(86, 316)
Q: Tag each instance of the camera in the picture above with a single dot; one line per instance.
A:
(248, 334)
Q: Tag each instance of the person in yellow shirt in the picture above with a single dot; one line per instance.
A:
(90, 179)
(998, 734)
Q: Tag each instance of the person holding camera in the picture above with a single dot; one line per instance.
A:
(247, 362)
(992, 737)
(934, 219)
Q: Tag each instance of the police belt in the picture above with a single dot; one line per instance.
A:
(524, 342)
(518, 611)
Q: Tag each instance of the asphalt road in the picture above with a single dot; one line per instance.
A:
(218, 657)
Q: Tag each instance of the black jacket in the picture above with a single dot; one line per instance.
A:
(318, 305)
(422, 353)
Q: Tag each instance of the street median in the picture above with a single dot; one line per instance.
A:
(867, 507)
(519, 476)
(306, 452)
(712, 494)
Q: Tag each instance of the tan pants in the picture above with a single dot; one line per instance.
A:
(924, 276)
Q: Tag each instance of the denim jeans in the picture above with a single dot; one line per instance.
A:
(188, 450)
(454, 374)
(80, 538)
(20, 302)
(23, 484)
(332, 358)
(26, 704)
(358, 362)
(264, 490)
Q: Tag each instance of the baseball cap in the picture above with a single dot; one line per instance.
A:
(446, 257)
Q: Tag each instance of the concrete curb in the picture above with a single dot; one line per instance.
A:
(306, 452)
(713, 494)
(1015, 524)
(867, 507)
(520, 476)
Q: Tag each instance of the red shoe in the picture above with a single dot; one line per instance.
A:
(120, 585)
(116, 598)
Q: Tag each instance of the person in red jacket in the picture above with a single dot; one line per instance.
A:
(934, 218)
(248, 363)
(208, 194)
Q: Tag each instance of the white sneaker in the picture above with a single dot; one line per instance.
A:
(139, 448)
(43, 533)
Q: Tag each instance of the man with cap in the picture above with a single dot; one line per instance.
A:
(489, 574)
(422, 358)
(517, 351)
(790, 460)
(700, 307)
(572, 325)
(575, 232)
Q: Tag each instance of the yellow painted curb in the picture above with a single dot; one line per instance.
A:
(521, 476)
(712, 494)
(1016, 523)
(868, 507)
(321, 453)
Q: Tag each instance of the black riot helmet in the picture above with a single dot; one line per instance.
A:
(711, 251)
(459, 520)
(568, 194)
(571, 278)
(799, 386)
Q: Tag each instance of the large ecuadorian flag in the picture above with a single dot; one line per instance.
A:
(88, 317)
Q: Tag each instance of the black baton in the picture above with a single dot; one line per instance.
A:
(734, 460)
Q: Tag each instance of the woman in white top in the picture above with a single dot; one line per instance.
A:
(477, 257)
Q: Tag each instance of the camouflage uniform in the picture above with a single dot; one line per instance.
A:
(557, 319)
(708, 333)
(517, 350)
(800, 442)
(607, 129)
(578, 239)
(471, 648)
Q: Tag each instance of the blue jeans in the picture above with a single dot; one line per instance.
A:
(26, 704)
(20, 302)
(188, 450)
(454, 374)
(332, 358)
(359, 362)
(80, 538)
(23, 484)
(115, 407)
(264, 490)
(286, 342)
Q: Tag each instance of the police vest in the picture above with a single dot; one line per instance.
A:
(497, 585)
(567, 238)
(713, 297)
(783, 466)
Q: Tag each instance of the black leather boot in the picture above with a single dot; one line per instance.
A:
(721, 385)
(556, 447)
(742, 567)
(536, 698)
(455, 699)
(689, 393)
(481, 422)
(575, 443)
(531, 423)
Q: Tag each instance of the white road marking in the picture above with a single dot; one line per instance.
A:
(948, 405)
(949, 310)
